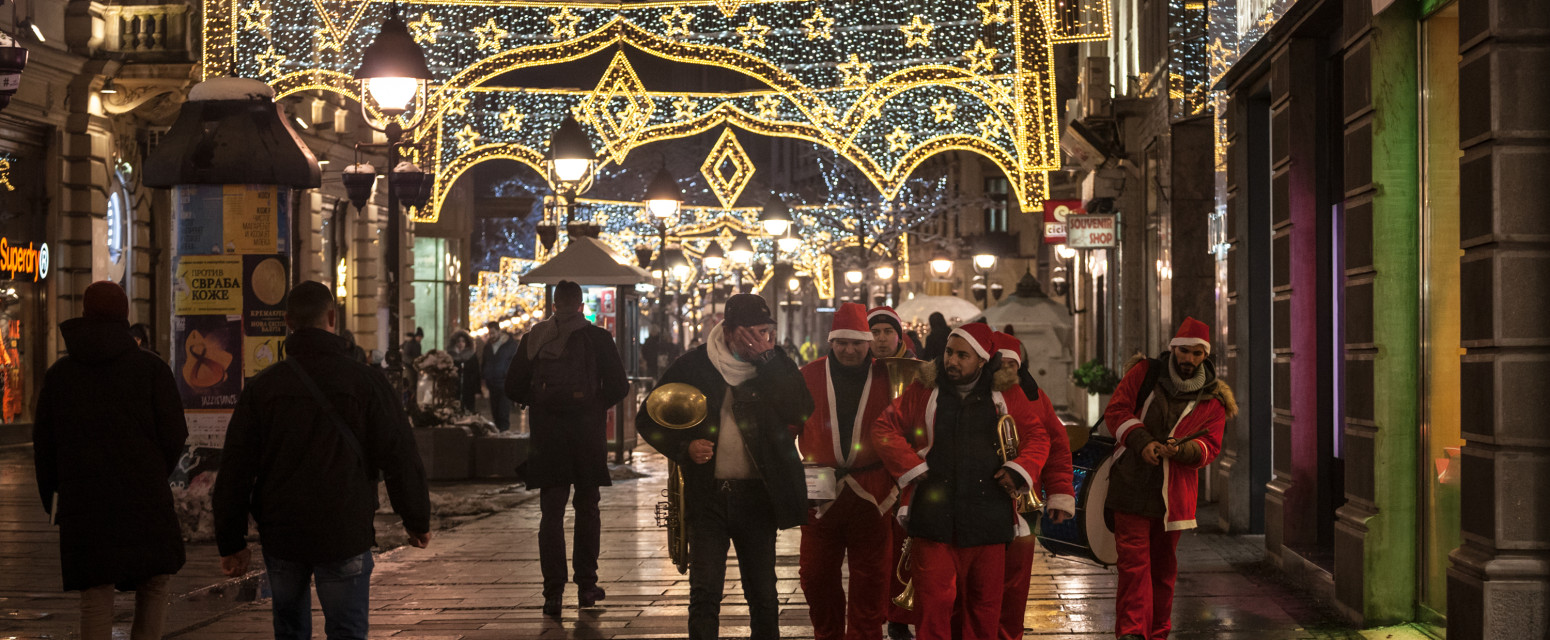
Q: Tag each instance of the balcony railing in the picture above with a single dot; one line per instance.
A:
(153, 30)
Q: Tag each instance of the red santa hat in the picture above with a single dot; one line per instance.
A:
(1009, 347)
(1192, 332)
(981, 338)
(850, 323)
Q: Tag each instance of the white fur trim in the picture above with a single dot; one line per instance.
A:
(930, 425)
(884, 312)
(974, 344)
(1190, 342)
(1027, 479)
(1179, 525)
(1061, 502)
(850, 334)
(846, 457)
(1022, 529)
(903, 517)
(1119, 434)
(1010, 354)
(912, 474)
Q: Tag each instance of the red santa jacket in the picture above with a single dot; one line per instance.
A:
(819, 440)
(903, 434)
(1055, 477)
(1210, 413)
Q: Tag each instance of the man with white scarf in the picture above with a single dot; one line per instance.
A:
(743, 478)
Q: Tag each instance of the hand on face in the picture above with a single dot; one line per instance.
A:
(751, 342)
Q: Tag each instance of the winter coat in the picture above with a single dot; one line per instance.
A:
(467, 364)
(820, 438)
(953, 441)
(495, 362)
(768, 408)
(570, 447)
(1209, 414)
(936, 340)
(108, 432)
(288, 465)
(1055, 478)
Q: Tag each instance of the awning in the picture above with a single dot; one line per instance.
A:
(587, 262)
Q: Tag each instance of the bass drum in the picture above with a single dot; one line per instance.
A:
(1088, 535)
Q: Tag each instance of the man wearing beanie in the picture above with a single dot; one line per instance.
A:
(849, 390)
(1166, 417)
(939, 439)
(108, 433)
(743, 478)
(888, 337)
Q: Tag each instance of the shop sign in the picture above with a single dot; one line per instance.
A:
(1055, 212)
(1092, 231)
(18, 261)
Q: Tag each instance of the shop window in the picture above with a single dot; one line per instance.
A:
(436, 278)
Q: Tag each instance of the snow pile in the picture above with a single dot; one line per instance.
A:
(407, 167)
(230, 89)
(360, 168)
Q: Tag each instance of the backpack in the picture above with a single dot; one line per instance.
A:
(568, 382)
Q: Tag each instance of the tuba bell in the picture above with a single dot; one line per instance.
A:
(676, 406)
(1007, 443)
(901, 372)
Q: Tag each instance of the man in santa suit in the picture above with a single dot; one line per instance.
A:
(939, 439)
(888, 337)
(849, 389)
(1166, 417)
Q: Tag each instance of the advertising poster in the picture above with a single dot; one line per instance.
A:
(198, 211)
(251, 221)
(263, 300)
(207, 428)
(259, 352)
(207, 285)
(207, 360)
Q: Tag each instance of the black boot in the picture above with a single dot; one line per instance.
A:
(899, 631)
(590, 595)
(552, 607)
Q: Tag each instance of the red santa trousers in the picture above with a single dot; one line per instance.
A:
(1147, 568)
(1014, 597)
(895, 586)
(941, 571)
(851, 527)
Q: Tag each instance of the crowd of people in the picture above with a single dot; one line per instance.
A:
(921, 489)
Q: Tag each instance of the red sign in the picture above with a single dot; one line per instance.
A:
(1055, 212)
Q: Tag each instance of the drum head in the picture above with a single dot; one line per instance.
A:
(1100, 538)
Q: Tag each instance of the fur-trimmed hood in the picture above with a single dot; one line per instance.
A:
(1004, 378)
(1222, 392)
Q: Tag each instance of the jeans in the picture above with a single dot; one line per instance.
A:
(500, 406)
(344, 589)
(740, 514)
(150, 610)
(551, 538)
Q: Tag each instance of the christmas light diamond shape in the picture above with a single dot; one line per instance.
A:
(618, 107)
(727, 169)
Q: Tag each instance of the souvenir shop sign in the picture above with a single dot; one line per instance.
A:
(1092, 232)
(18, 262)
(208, 285)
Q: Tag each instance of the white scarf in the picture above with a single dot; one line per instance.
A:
(734, 371)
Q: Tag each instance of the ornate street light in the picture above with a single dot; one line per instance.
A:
(713, 256)
(677, 263)
(13, 58)
(789, 241)
(775, 216)
(941, 264)
(741, 251)
(570, 152)
(884, 271)
(853, 276)
(985, 261)
(663, 197)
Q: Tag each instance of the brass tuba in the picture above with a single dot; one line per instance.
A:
(676, 406)
(1007, 443)
(901, 372)
(906, 598)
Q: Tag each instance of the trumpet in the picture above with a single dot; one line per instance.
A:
(676, 406)
(1007, 444)
(906, 598)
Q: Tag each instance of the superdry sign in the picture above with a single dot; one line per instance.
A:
(20, 262)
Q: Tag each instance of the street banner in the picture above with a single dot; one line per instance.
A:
(1099, 231)
(1055, 212)
(207, 285)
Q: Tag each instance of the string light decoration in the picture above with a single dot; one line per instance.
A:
(795, 49)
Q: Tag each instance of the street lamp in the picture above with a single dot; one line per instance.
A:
(884, 271)
(985, 261)
(941, 264)
(1065, 252)
(677, 263)
(570, 158)
(713, 256)
(663, 196)
(392, 73)
(741, 252)
(789, 241)
(775, 216)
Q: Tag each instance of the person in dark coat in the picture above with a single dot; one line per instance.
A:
(743, 477)
(569, 437)
(936, 340)
(495, 360)
(465, 356)
(108, 433)
(306, 469)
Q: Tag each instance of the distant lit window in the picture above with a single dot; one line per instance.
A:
(996, 190)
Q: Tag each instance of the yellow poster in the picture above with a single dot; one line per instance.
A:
(261, 351)
(207, 285)
(249, 221)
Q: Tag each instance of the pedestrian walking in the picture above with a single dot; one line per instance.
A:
(742, 474)
(303, 452)
(940, 440)
(853, 522)
(1166, 417)
(107, 434)
(465, 358)
(936, 339)
(568, 373)
(494, 361)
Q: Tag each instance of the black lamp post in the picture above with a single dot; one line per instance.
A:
(570, 158)
(392, 74)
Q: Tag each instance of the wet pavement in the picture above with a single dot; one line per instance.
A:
(481, 579)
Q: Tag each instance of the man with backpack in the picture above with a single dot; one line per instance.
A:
(303, 452)
(568, 372)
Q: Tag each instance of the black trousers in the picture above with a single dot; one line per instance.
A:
(740, 515)
(551, 537)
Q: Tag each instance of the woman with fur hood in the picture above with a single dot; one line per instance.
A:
(1166, 417)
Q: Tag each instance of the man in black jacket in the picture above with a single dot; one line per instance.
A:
(743, 477)
(570, 434)
(306, 468)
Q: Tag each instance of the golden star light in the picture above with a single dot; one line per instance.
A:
(459, 105)
(564, 24)
(511, 119)
(899, 140)
(990, 127)
(677, 23)
(980, 57)
(918, 33)
(819, 26)
(326, 41)
(425, 29)
(943, 111)
(491, 36)
(684, 108)
(467, 137)
(269, 62)
(853, 73)
(768, 106)
(753, 33)
(997, 11)
(255, 17)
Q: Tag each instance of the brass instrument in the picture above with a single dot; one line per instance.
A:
(1007, 443)
(676, 406)
(906, 598)
(901, 372)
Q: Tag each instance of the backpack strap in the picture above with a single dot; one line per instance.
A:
(328, 410)
(1154, 370)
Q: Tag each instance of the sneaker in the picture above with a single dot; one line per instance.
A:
(899, 631)
(590, 595)
(552, 607)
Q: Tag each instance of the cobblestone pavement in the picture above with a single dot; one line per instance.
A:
(481, 580)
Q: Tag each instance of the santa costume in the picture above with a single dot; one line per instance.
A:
(958, 517)
(856, 524)
(1152, 504)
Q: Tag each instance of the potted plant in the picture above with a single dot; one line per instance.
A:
(1098, 380)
